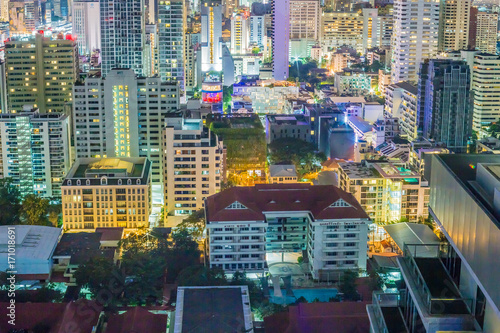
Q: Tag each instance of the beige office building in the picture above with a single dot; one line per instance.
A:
(454, 25)
(486, 32)
(340, 29)
(108, 192)
(40, 73)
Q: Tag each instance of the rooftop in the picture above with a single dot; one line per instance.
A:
(251, 203)
(412, 233)
(360, 124)
(282, 170)
(407, 86)
(137, 319)
(81, 247)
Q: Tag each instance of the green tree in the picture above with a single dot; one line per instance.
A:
(54, 217)
(256, 293)
(194, 223)
(183, 253)
(199, 275)
(376, 282)
(10, 202)
(34, 210)
(348, 285)
(102, 278)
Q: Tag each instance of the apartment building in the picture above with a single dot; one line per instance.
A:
(280, 38)
(35, 151)
(339, 29)
(452, 286)
(122, 116)
(211, 35)
(247, 225)
(40, 72)
(107, 192)
(353, 83)
(454, 25)
(401, 101)
(387, 191)
(240, 33)
(304, 19)
(486, 31)
(193, 164)
(86, 25)
(267, 97)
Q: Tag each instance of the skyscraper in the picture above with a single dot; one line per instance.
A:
(122, 35)
(281, 40)
(454, 25)
(486, 32)
(122, 116)
(416, 26)
(171, 25)
(211, 35)
(87, 25)
(447, 109)
(257, 29)
(40, 73)
(240, 33)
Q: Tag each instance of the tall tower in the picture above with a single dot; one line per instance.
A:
(87, 25)
(171, 27)
(486, 32)
(415, 38)
(454, 25)
(122, 35)
(281, 38)
(211, 35)
(240, 33)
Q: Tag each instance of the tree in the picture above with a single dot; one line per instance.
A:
(199, 275)
(256, 294)
(376, 282)
(10, 202)
(184, 252)
(54, 214)
(34, 210)
(348, 285)
(194, 223)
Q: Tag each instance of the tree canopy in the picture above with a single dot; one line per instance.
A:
(10, 202)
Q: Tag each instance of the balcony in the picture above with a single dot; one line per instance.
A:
(385, 313)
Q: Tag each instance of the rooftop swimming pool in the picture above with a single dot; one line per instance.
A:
(310, 295)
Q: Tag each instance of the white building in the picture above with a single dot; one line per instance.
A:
(171, 27)
(87, 26)
(266, 98)
(258, 30)
(486, 74)
(280, 36)
(415, 38)
(240, 33)
(248, 226)
(353, 83)
(34, 151)
(122, 35)
(304, 26)
(341, 29)
(211, 35)
(486, 32)
(193, 164)
(122, 116)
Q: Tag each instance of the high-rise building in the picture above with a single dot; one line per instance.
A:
(416, 27)
(87, 26)
(3, 87)
(280, 36)
(122, 116)
(486, 32)
(193, 160)
(377, 28)
(40, 73)
(387, 191)
(35, 151)
(485, 77)
(304, 19)
(454, 25)
(4, 10)
(171, 27)
(240, 33)
(229, 7)
(249, 228)
(122, 35)
(258, 30)
(191, 60)
(444, 90)
(211, 35)
(107, 192)
(341, 29)
(401, 101)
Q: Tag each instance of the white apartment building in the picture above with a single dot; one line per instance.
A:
(304, 19)
(171, 27)
(353, 83)
(486, 32)
(341, 29)
(122, 116)
(280, 34)
(107, 192)
(193, 167)
(248, 226)
(485, 76)
(122, 35)
(258, 30)
(266, 98)
(87, 26)
(454, 25)
(240, 33)
(211, 35)
(415, 38)
(401, 101)
(34, 151)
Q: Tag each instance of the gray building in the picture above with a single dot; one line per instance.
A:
(444, 101)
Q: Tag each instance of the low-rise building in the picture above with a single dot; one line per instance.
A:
(247, 225)
(193, 164)
(387, 191)
(282, 174)
(349, 82)
(108, 192)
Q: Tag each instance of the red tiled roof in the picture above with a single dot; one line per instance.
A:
(28, 277)
(80, 316)
(282, 197)
(110, 234)
(343, 317)
(137, 320)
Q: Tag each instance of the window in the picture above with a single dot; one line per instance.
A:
(350, 235)
(340, 203)
(236, 205)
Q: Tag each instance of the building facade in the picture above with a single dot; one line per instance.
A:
(87, 26)
(40, 73)
(246, 226)
(280, 34)
(240, 33)
(416, 27)
(304, 19)
(341, 29)
(122, 116)
(486, 32)
(193, 167)
(454, 25)
(108, 192)
(35, 151)
(211, 34)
